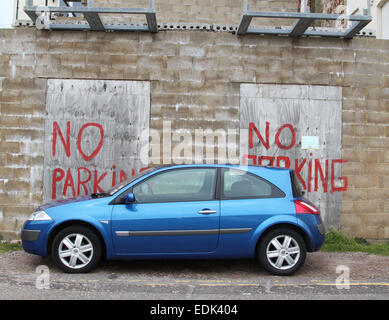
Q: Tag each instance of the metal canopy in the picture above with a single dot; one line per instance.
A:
(303, 22)
(92, 17)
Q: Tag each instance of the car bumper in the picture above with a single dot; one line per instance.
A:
(319, 237)
(314, 229)
(34, 237)
(321, 229)
(30, 235)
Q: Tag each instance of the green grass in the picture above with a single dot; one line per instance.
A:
(5, 247)
(337, 242)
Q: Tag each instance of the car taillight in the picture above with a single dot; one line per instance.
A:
(304, 207)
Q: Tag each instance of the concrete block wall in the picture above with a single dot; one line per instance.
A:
(198, 11)
(195, 79)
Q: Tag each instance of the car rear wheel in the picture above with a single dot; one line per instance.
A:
(76, 249)
(282, 251)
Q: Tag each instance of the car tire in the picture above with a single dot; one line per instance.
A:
(282, 251)
(76, 249)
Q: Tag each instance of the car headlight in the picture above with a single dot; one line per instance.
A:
(39, 216)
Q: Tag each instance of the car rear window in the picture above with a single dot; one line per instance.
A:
(297, 193)
(238, 184)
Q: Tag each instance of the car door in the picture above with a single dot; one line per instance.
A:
(246, 201)
(175, 212)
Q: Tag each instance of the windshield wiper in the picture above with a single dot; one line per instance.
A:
(100, 195)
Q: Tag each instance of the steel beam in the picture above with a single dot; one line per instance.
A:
(297, 15)
(91, 10)
(357, 26)
(322, 33)
(244, 24)
(32, 14)
(300, 26)
(152, 22)
(94, 21)
(270, 31)
(92, 16)
(303, 22)
(107, 27)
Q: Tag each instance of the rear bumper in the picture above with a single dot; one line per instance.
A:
(317, 241)
(314, 229)
(321, 229)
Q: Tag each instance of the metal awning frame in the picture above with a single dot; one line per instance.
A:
(93, 19)
(302, 23)
(301, 27)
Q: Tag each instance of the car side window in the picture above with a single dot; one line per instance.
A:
(177, 185)
(238, 184)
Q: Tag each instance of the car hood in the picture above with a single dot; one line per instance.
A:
(64, 202)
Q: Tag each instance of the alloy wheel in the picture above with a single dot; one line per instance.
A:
(75, 251)
(283, 252)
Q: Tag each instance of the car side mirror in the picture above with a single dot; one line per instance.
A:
(129, 198)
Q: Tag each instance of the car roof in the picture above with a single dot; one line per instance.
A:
(237, 166)
(277, 176)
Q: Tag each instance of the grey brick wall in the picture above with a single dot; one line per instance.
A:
(201, 72)
(198, 11)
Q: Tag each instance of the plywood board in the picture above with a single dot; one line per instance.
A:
(93, 128)
(289, 113)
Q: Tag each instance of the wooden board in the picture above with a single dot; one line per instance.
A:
(291, 112)
(93, 128)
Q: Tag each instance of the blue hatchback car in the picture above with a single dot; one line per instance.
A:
(182, 212)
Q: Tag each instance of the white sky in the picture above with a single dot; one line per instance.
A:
(6, 12)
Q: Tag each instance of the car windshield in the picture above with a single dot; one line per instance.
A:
(128, 181)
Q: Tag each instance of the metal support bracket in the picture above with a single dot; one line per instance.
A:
(303, 22)
(92, 17)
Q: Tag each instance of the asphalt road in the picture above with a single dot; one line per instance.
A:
(172, 279)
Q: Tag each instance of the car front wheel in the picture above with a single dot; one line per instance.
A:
(282, 251)
(76, 249)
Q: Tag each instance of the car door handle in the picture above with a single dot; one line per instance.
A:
(207, 211)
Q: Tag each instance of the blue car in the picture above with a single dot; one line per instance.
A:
(182, 212)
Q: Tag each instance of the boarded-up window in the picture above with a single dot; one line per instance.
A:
(93, 134)
(299, 127)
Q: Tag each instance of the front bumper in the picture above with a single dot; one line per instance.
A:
(34, 237)
(30, 235)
